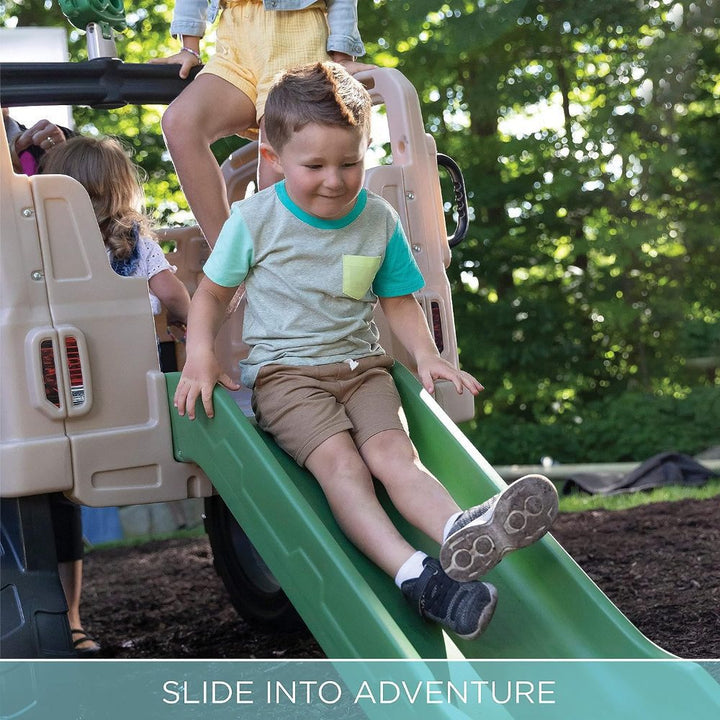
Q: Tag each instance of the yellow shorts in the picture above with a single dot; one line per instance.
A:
(254, 45)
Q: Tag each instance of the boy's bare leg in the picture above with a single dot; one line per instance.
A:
(208, 109)
(344, 477)
(421, 499)
(348, 487)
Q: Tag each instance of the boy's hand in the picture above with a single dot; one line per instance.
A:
(433, 368)
(198, 380)
(408, 323)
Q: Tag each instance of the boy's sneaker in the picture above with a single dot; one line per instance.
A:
(512, 519)
(464, 608)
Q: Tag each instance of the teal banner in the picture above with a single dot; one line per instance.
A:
(266, 690)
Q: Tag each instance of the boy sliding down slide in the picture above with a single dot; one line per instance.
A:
(316, 252)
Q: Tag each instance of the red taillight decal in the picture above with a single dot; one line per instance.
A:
(49, 371)
(75, 373)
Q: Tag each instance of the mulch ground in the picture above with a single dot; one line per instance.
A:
(659, 563)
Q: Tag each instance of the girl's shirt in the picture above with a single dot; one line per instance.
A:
(147, 260)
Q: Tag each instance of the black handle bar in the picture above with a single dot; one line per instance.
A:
(460, 199)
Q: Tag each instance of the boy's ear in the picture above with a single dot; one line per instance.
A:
(270, 156)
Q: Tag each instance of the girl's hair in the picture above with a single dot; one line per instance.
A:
(323, 93)
(104, 169)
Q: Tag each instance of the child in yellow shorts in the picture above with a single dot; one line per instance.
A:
(256, 40)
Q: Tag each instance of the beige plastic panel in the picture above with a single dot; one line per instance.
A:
(115, 429)
(34, 451)
(412, 185)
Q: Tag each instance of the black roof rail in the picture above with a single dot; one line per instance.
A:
(99, 83)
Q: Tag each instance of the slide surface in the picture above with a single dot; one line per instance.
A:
(548, 607)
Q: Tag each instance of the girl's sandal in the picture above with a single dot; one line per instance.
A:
(81, 638)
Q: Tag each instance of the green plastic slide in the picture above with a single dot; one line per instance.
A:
(548, 607)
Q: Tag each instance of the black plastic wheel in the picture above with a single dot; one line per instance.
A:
(254, 591)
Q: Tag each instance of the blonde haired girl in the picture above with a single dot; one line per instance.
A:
(104, 169)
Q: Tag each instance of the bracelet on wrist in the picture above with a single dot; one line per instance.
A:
(334, 53)
(195, 53)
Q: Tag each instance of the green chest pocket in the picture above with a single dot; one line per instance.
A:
(358, 273)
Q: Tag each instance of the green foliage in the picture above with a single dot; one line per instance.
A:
(587, 132)
(589, 274)
(624, 428)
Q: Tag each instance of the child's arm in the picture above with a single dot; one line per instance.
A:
(407, 321)
(352, 66)
(202, 370)
(172, 294)
(188, 25)
(344, 42)
(186, 59)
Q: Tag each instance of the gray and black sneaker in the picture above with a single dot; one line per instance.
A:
(464, 608)
(512, 519)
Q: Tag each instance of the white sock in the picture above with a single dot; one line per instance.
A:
(450, 523)
(411, 568)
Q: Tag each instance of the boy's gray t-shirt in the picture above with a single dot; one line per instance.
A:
(311, 284)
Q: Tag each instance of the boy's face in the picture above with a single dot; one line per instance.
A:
(324, 168)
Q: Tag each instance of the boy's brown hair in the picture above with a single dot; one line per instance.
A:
(323, 93)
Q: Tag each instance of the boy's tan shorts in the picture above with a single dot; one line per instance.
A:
(254, 45)
(302, 406)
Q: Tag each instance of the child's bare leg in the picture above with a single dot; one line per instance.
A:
(421, 499)
(70, 573)
(474, 541)
(209, 108)
(464, 608)
(348, 487)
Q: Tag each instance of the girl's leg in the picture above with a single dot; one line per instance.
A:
(70, 573)
(348, 487)
(208, 109)
(421, 499)
(71, 578)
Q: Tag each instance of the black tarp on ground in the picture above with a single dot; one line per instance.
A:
(668, 468)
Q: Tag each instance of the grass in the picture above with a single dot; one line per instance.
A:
(577, 502)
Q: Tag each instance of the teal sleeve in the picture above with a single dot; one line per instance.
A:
(232, 256)
(399, 273)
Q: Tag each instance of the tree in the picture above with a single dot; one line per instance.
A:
(585, 133)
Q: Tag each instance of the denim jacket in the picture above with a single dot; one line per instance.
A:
(190, 18)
